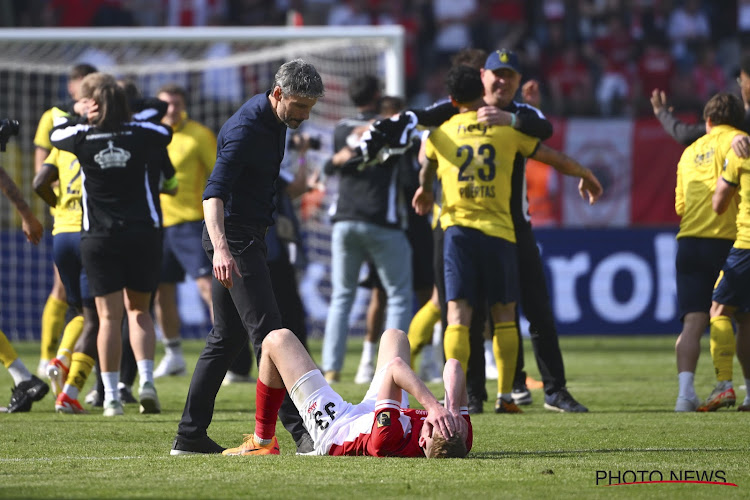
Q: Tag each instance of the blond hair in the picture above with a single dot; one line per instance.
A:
(453, 447)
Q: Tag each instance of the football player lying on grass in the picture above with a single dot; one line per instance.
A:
(381, 425)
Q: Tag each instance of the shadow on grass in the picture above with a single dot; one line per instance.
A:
(496, 455)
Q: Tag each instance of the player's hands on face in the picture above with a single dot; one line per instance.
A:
(33, 229)
(224, 267)
(439, 417)
(741, 145)
(422, 201)
(492, 115)
(589, 187)
(462, 427)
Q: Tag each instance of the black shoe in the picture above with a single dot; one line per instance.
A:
(521, 394)
(306, 446)
(563, 402)
(26, 393)
(476, 405)
(126, 395)
(201, 445)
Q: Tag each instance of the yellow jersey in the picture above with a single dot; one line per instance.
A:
(46, 123)
(475, 165)
(193, 154)
(737, 172)
(41, 138)
(698, 171)
(68, 210)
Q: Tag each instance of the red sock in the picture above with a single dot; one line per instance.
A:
(267, 403)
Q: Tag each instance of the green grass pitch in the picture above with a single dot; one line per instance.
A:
(628, 383)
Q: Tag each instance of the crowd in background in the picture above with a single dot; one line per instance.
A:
(592, 57)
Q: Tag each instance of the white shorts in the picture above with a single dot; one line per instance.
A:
(326, 416)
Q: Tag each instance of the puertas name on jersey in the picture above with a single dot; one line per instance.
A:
(484, 168)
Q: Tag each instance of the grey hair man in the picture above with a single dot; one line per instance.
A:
(238, 208)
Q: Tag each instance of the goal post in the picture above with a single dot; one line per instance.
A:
(219, 67)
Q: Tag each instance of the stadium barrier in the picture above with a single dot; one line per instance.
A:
(601, 281)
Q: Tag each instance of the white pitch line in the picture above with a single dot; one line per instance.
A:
(46, 459)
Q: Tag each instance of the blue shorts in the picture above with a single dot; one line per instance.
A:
(733, 286)
(183, 253)
(477, 262)
(66, 250)
(698, 263)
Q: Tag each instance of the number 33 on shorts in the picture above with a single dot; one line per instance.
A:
(330, 410)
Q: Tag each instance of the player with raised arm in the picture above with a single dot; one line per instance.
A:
(475, 162)
(501, 76)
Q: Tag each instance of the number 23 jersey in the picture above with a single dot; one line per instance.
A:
(475, 165)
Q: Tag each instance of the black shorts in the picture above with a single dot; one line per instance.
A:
(698, 263)
(125, 259)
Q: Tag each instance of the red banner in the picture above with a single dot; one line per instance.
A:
(636, 161)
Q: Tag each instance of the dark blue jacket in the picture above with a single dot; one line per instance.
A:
(250, 147)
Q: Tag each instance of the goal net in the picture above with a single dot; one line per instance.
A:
(220, 68)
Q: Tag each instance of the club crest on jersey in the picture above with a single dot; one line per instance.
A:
(112, 157)
(384, 419)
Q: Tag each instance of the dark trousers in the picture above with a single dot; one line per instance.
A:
(286, 291)
(248, 308)
(535, 303)
(475, 376)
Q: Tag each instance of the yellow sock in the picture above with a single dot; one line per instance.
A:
(722, 347)
(69, 338)
(7, 354)
(421, 328)
(80, 369)
(53, 321)
(456, 344)
(505, 348)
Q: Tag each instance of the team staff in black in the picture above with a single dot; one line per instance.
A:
(238, 207)
(121, 227)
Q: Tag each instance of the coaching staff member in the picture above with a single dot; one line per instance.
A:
(238, 208)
